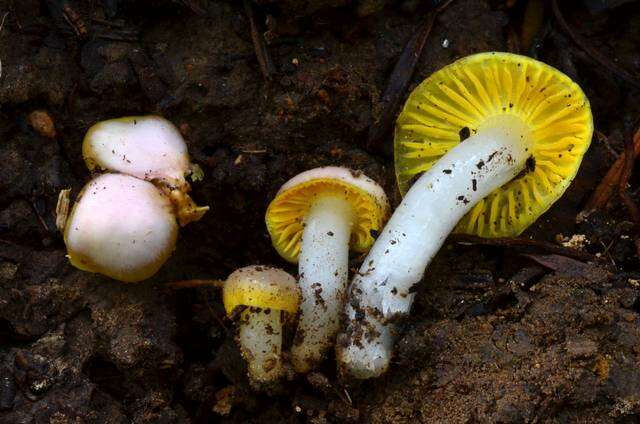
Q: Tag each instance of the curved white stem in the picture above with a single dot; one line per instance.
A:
(323, 267)
(260, 339)
(383, 288)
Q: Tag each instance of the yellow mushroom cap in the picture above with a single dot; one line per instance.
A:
(456, 100)
(261, 287)
(285, 215)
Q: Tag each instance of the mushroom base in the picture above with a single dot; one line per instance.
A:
(260, 339)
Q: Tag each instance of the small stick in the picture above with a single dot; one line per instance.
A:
(259, 45)
(62, 209)
(625, 174)
(524, 242)
(188, 284)
(4, 17)
(533, 23)
(117, 37)
(194, 7)
(40, 218)
(108, 23)
(595, 55)
(74, 19)
(612, 180)
(602, 138)
(398, 83)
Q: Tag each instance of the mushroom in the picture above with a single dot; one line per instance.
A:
(264, 293)
(149, 148)
(491, 141)
(122, 227)
(313, 220)
(123, 224)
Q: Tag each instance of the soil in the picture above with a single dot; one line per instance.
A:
(494, 335)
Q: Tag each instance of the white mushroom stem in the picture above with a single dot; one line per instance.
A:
(260, 339)
(383, 288)
(323, 267)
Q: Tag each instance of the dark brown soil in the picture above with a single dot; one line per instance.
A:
(493, 337)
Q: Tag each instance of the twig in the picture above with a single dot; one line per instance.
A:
(4, 17)
(611, 181)
(108, 23)
(602, 138)
(74, 19)
(524, 242)
(114, 36)
(62, 209)
(625, 174)
(398, 83)
(532, 24)
(259, 45)
(194, 7)
(189, 284)
(595, 55)
(40, 217)
(569, 267)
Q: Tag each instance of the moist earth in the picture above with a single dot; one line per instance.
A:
(494, 336)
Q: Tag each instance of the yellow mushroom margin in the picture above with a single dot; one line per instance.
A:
(454, 102)
(261, 287)
(286, 213)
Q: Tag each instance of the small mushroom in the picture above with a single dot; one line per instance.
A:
(123, 224)
(313, 220)
(266, 294)
(491, 141)
(146, 147)
(122, 227)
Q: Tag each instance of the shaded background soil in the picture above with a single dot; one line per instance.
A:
(493, 337)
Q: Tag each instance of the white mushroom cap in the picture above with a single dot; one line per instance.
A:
(146, 147)
(122, 227)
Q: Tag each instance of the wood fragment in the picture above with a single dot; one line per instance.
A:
(259, 45)
(397, 84)
(4, 17)
(74, 19)
(37, 211)
(602, 138)
(524, 242)
(593, 53)
(195, 7)
(117, 36)
(189, 284)
(610, 183)
(570, 267)
(108, 23)
(62, 209)
(532, 24)
(627, 168)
